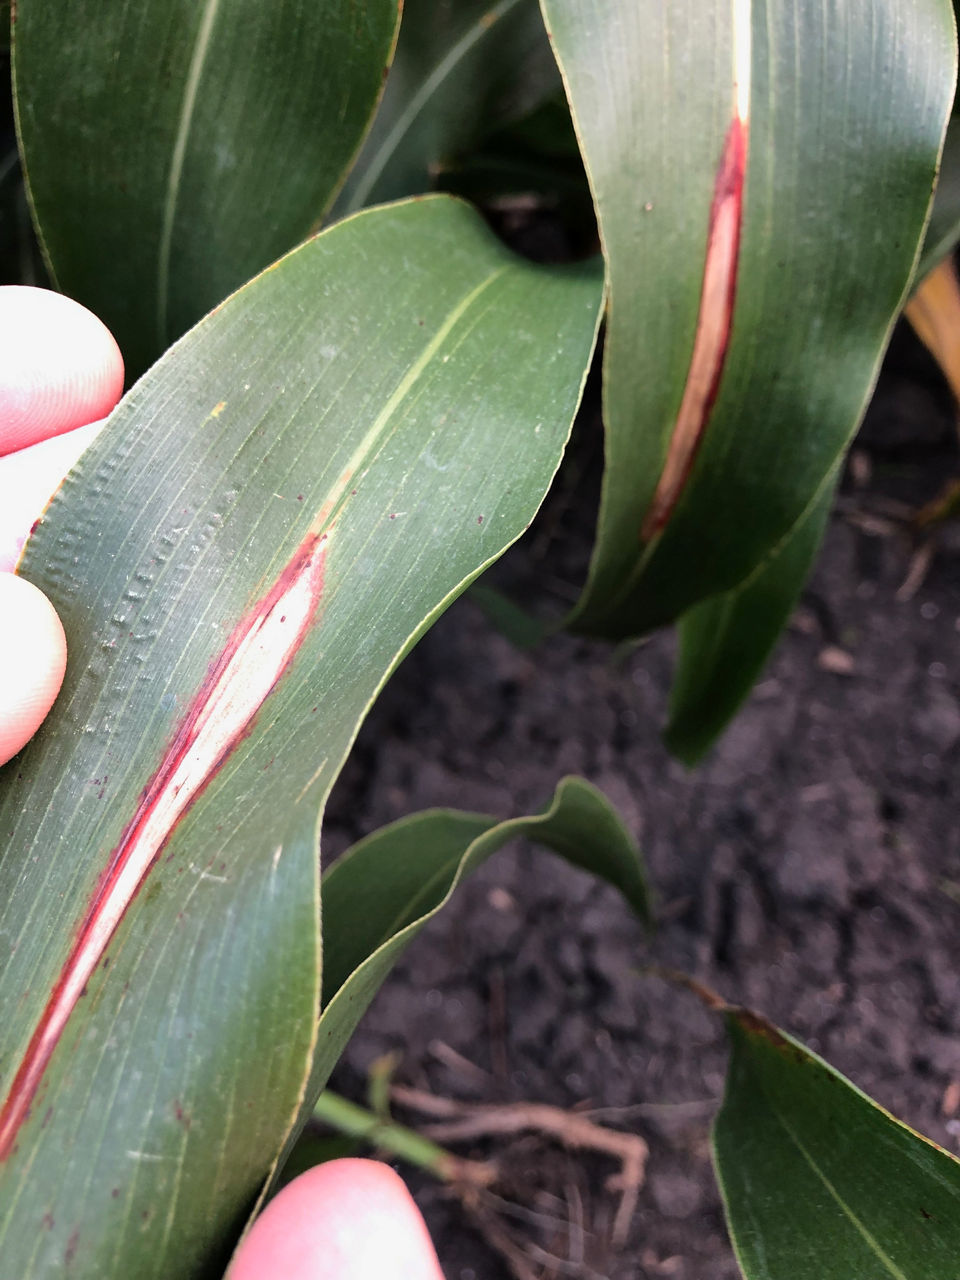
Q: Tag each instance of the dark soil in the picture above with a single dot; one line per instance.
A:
(810, 868)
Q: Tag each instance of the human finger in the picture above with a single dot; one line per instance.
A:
(345, 1220)
(33, 658)
(60, 367)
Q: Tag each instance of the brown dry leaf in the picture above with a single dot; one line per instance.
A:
(934, 313)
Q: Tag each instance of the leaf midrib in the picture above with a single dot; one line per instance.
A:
(861, 1228)
(187, 108)
(417, 104)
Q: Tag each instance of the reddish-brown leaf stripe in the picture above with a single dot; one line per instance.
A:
(258, 652)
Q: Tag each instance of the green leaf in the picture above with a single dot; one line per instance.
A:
(297, 443)
(174, 148)
(463, 68)
(725, 641)
(829, 233)
(390, 883)
(509, 618)
(381, 893)
(944, 229)
(818, 1181)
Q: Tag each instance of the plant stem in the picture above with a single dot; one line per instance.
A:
(399, 1141)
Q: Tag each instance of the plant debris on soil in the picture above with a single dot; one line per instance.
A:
(808, 869)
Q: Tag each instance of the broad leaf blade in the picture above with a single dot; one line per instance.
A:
(174, 148)
(462, 69)
(725, 641)
(382, 892)
(827, 247)
(318, 398)
(819, 1182)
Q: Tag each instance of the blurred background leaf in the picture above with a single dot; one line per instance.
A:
(173, 149)
(463, 70)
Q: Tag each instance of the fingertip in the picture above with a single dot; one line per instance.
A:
(60, 366)
(345, 1220)
(33, 659)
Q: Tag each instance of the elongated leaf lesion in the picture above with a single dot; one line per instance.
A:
(258, 653)
(718, 292)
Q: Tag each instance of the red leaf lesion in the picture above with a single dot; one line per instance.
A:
(257, 654)
(718, 292)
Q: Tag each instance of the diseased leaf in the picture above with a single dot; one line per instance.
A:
(752, 287)
(381, 893)
(273, 516)
(174, 148)
(820, 1183)
(725, 641)
(463, 68)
